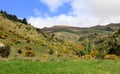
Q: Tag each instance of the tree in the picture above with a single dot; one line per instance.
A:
(13, 17)
(24, 21)
(1, 11)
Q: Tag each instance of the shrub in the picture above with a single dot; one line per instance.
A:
(80, 53)
(75, 57)
(13, 31)
(94, 53)
(15, 41)
(29, 53)
(45, 55)
(28, 48)
(3, 36)
(52, 52)
(19, 51)
(87, 56)
(111, 56)
(61, 54)
(66, 51)
(20, 35)
(28, 39)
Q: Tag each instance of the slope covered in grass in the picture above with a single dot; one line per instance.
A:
(27, 41)
(19, 35)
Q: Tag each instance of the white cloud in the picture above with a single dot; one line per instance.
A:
(62, 20)
(51, 21)
(97, 7)
(84, 13)
(106, 7)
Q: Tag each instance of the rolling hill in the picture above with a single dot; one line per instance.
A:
(24, 40)
(28, 41)
(76, 33)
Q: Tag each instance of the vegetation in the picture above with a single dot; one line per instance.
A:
(111, 56)
(81, 67)
(25, 49)
(79, 34)
(110, 45)
(26, 41)
(13, 17)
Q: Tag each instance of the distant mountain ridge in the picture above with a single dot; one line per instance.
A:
(74, 33)
(112, 26)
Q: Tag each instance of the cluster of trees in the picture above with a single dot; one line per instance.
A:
(13, 17)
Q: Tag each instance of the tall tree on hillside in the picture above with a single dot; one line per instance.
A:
(24, 21)
(1, 11)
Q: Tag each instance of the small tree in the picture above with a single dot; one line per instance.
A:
(24, 21)
(88, 46)
(1, 11)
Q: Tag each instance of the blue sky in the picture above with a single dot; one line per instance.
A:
(23, 8)
(79, 13)
(26, 8)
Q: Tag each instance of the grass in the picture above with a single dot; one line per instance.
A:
(79, 67)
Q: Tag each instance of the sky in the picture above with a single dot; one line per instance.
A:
(78, 13)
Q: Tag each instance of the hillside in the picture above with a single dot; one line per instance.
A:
(99, 40)
(78, 30)
(26, 41)
(59, 42)
(20, 36)
(76, 33)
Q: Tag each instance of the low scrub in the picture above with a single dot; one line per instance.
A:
(111, 56)
(29, 53)
(87, 56)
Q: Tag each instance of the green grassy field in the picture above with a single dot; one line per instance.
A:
(79, 67)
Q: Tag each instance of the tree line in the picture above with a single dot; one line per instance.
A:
(13, 17)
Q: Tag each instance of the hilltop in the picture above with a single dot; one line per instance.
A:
(77, 33)
(109, 27)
